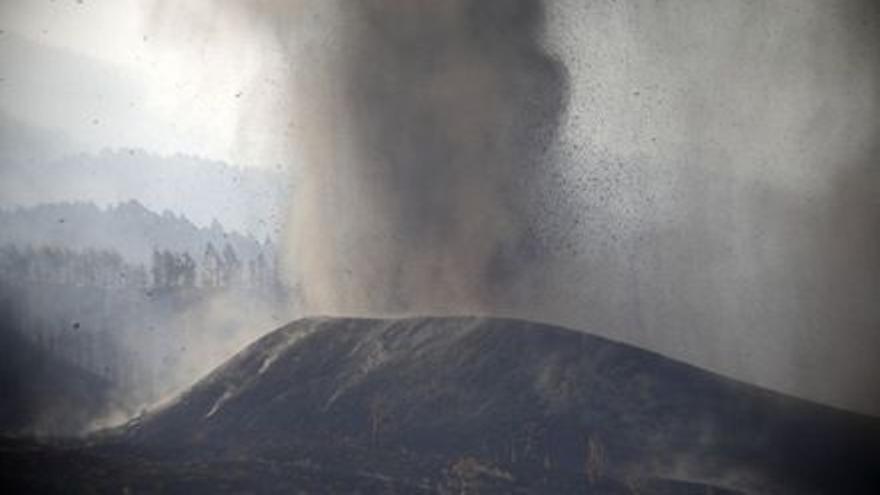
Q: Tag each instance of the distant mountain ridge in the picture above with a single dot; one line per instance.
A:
(242, 199)
(128, 228)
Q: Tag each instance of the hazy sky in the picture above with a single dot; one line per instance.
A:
(105, 73)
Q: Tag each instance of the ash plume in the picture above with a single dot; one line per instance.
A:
(435, 122)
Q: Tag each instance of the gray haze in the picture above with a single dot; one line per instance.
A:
(135, 254)
(722, 181)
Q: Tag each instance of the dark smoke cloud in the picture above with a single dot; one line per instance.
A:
(448, 110)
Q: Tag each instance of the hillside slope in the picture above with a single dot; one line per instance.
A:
(505, 405)
(43, 395)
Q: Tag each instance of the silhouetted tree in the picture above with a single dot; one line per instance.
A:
(231, 266)
(211, 266)
(158, 269)
(188, 270)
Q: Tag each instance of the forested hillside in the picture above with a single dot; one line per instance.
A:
(139, 301)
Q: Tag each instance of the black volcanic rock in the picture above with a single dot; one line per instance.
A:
(495, 405)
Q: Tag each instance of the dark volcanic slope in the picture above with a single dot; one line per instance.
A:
(507, 402)
(41, 394)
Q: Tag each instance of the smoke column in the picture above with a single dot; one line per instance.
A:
(440, 116)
